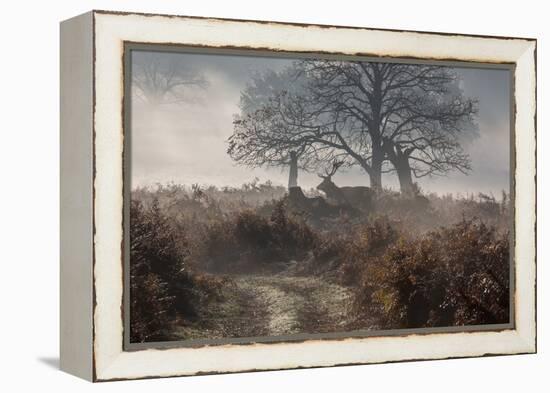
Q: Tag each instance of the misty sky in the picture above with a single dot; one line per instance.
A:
(187, 142)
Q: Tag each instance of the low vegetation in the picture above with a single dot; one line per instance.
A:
(453, 276)
(162, 288)
(417, 261)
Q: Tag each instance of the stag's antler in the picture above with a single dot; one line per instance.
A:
(336, 164)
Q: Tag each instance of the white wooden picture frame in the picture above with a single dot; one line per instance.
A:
(92, 189)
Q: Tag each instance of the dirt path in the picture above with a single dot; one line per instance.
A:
(298, 304)
(274, 305)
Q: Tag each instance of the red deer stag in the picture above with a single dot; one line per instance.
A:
(317, 206)
(358, 197)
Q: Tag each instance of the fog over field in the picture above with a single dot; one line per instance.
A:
(186, 142)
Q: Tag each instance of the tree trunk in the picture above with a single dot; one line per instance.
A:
(404, 174)
(400, 161)
(376, 170)
(375, 127)
(293, 173)
(376, 177)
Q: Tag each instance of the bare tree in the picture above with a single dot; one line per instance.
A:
(405, 113)
(280, 125)
(275, 127)
(428, 143)
(285, 131)
(369, 114)
(164, 78)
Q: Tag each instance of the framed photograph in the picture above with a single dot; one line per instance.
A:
(246, 195)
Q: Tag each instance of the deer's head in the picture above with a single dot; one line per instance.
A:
(327, 185)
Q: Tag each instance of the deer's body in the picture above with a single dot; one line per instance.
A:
(316, 205)
(360, 197)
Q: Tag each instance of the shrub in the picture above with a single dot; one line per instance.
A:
(455, 276)
(214, 246)
(149, 304)
(248, 240)
(370, 241)
(330, 247)
(292, 236)
(161, 288)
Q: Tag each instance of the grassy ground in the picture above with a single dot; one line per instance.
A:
(216, 263)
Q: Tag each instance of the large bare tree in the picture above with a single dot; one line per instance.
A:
(411, 115)
(367, 113)
(276, 126)
(281, 125)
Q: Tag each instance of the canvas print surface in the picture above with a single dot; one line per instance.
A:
(277, 197)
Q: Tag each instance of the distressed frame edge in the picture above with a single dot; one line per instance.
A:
(526, 98)
(526, 340)
(305, 24)
(76, 196)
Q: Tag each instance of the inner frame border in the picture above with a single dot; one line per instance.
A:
(129, 46)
